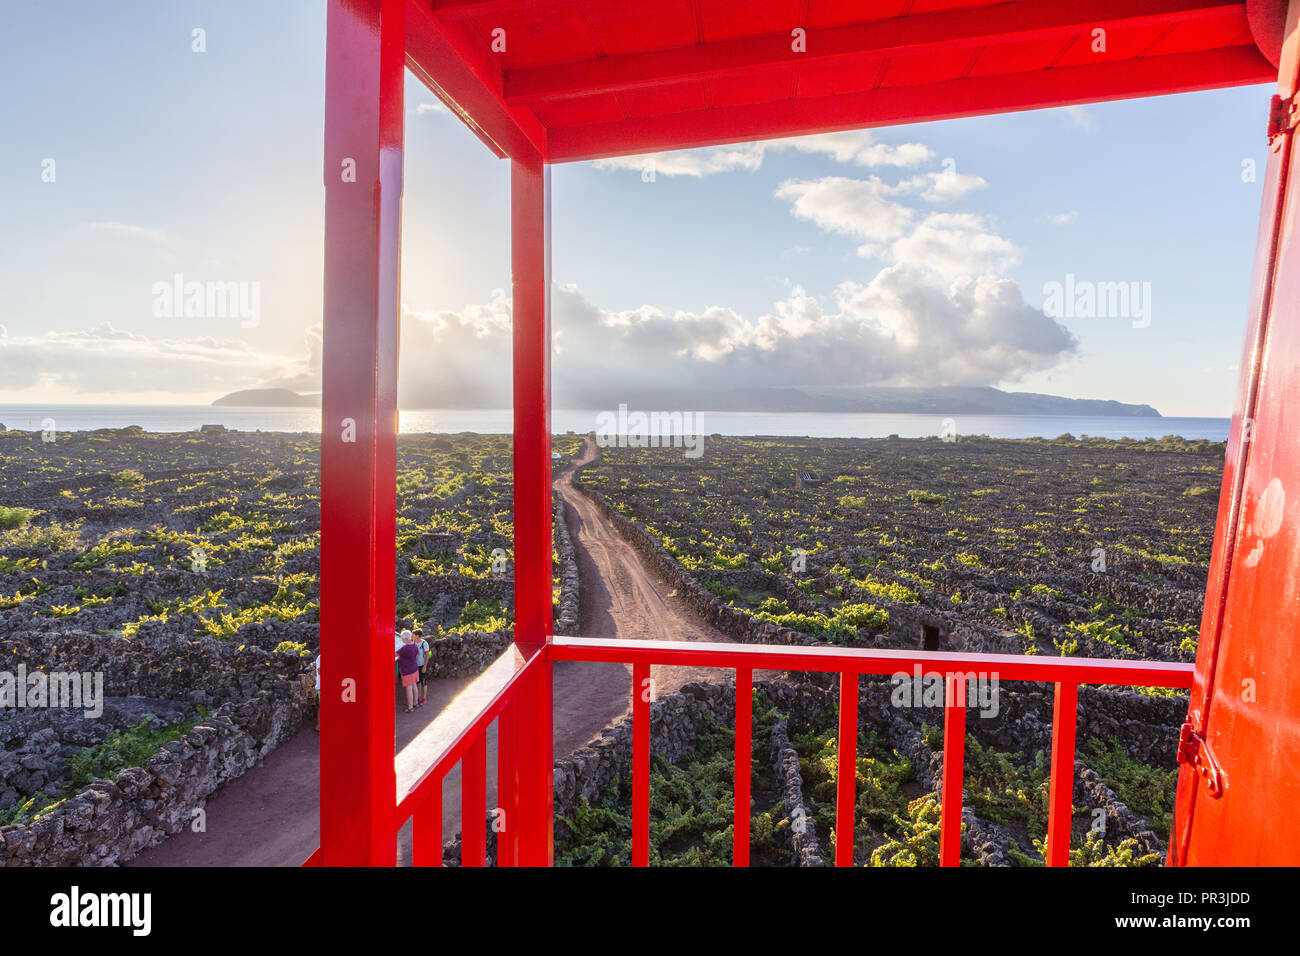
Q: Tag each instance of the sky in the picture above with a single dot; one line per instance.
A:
(913, 255)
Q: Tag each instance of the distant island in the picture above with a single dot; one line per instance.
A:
(862, 399)
(943, 400)
(268, 398)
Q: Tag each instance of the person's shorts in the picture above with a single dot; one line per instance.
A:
(424, 678)
(409, 680)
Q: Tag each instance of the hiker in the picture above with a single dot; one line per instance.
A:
(399, 638)
(422, 659)
(409, 670)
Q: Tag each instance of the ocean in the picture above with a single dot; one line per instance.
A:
(182, 418)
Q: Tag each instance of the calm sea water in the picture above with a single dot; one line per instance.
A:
(180, 418)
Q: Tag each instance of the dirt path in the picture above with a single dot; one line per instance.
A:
(622, 597)
(269, 816)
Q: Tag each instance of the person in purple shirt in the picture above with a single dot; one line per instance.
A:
(407, 666)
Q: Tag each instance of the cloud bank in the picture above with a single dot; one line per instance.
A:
(934, 306)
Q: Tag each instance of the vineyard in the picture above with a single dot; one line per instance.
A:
(1089, 548)
(129, 546)
(1072, 546)
(138, 550)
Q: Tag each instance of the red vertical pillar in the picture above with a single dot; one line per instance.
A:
(1060, 800)
(954, 762)
(507, 809)
(1237, 763)
(364, 72)
(530, 260)
(534, 841)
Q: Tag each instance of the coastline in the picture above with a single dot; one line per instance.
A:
(188, 418)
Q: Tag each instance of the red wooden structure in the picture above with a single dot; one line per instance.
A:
(547, 81)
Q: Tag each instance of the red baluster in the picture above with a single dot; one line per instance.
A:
(954, 759)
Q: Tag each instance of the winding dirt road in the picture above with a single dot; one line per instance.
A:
(269, 816)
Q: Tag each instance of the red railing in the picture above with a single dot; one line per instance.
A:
(515, 689)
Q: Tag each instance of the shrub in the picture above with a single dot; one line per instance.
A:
(54, 537)
(1143, 788)
(17, 565)
(131, 748)
(722, 591)
(917, 843)
(485, 614)
(11, 518)
(25, 811)
(127, 476)
(892, 590)
(926, 497)
(103, 553)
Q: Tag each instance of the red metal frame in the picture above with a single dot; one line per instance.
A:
(642, 691)
(1240, 747)
(580, 79)
(424, 798)
(363, 202)
(530, 208)
(744, 751)
(954, 761)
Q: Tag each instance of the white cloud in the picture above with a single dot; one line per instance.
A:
(953, 245)
(1063, 218)
(861, 208)
(939, 311)
(948, 244)
(747, 157)
(1080, 117)
(857, 147)
(435, 107)
(107, 361)
(898, 329)
(944, 186)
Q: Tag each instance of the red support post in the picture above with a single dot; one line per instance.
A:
(473, 796)
(744, 749)
(530, 212)
(954, 761)
(363, 199)
(846, 769)
(507, 807)
(426, 831)
(536, 769)
(642, 691)
(530, 263)
(1060, 800)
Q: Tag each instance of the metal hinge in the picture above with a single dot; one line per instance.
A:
(1283, 116)
(1193, 749)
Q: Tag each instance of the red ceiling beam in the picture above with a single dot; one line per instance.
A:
(938, 32)
(890, 106)
(466, 77)
(465, 9)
